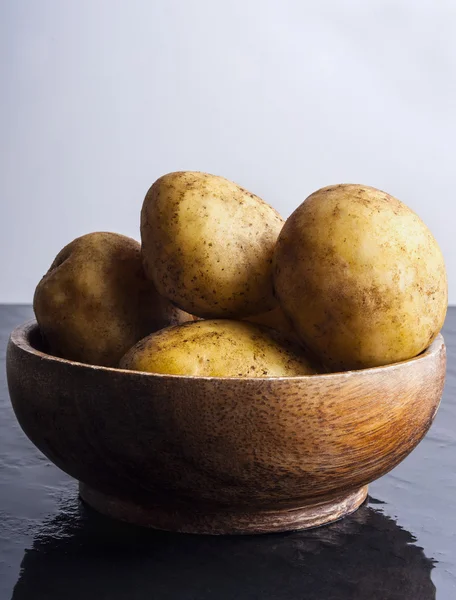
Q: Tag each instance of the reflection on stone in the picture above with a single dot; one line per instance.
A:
(81, 555)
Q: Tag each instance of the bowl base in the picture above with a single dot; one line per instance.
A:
(223, 521)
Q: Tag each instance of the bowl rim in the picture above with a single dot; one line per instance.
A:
(20, 338)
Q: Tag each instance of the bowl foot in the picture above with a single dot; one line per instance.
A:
(223, 521)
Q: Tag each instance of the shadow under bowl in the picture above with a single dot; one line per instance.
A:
(222, 455)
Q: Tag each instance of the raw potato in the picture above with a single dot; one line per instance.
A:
(361, 277)
(95, 302)
(207, 245)
(218, 348)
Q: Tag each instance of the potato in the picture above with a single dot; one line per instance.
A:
(218, 348)
(95, 302)
(361, 277)
(207, 245)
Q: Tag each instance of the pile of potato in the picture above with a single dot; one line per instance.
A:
(221, 286)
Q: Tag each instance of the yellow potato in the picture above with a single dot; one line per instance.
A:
(95, 302)
(218, 348)
(207, 245)
(361, 277)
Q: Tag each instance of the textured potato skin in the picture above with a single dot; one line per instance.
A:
(361, 277)
(218, 348)
(95, 301)
(207, 245)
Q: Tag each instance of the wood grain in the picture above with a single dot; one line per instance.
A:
(222, 445)
(222, 520)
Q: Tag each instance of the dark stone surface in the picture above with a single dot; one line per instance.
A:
(400, 545)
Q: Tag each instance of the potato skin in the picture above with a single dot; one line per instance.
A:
(361, 277)
(218, 348)
(207, 245)
(95, 302)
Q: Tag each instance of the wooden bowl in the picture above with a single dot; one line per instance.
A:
(222, 455)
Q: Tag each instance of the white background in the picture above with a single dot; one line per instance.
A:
(100, 97)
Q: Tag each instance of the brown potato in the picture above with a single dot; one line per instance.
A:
(361, 277)
(207, 245)
(95, 302)
(218, 348)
